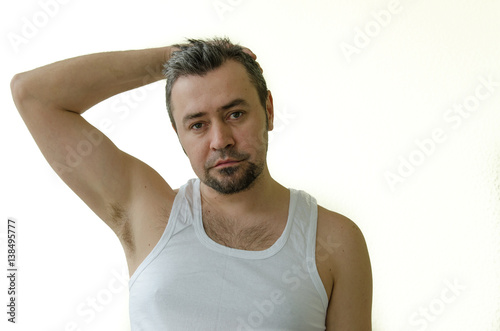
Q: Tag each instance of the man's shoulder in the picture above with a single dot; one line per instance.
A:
(338, 235)
(334, 222)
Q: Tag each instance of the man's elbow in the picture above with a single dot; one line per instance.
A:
(19, 90)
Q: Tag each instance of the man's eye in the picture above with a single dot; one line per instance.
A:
(197, 126)
(236, 114)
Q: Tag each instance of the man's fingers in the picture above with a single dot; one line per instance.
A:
(252, 54)
(249, 52)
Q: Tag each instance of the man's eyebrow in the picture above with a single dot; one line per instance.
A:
(234, 103)
(189, 117)
(229, 105)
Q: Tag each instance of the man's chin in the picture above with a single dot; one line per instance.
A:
(228, 180)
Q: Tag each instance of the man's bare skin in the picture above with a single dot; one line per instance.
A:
(135, 201)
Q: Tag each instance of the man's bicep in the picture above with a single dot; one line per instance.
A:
(351, 301)
(85, 159)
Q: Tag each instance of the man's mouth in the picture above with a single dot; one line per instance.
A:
(226, 163)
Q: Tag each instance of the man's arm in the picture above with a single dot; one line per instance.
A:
(350, 303)
(51, 100)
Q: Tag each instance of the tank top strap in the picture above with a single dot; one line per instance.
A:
(303, 239)
(181, 216)
(305, 219)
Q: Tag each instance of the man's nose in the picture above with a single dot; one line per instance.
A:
(222, 136)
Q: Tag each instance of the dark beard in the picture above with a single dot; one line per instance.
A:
(233, 181)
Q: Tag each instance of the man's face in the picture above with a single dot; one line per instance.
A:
(222, 127)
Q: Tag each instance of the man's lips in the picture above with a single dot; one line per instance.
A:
(226, 163)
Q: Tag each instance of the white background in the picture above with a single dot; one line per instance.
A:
(353, 108)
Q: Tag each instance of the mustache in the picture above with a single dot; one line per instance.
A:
(226, 153)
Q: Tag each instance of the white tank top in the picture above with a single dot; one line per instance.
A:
(190, 282)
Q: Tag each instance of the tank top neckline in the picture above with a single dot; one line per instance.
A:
(234, 252)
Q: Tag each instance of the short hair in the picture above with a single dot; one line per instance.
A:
(198, 57)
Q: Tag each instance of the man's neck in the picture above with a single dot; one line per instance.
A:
(264, 195)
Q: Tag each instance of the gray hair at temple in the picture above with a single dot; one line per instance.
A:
(198, 57)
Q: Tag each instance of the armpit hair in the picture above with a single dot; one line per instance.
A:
(120, 223)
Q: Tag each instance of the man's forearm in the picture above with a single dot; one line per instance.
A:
(77, 84)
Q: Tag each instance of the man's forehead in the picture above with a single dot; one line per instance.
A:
(212, 91)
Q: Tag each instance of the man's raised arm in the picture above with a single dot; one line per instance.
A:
(50, 100)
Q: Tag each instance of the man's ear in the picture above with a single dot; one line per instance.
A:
(270, 110)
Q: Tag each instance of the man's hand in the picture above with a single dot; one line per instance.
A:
(249, 52)
(178, 47)
(252, 54)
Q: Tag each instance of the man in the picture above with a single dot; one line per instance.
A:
(232, 249)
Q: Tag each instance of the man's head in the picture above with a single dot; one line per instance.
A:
(221, 110)
(201, 56)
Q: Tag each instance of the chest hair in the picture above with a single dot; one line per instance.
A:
(230, 233)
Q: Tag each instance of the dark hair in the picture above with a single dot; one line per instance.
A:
(198, 57)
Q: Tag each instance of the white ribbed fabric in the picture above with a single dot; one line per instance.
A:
(190, 282)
